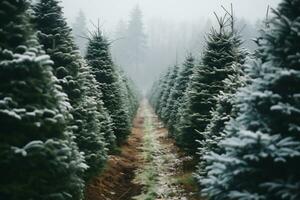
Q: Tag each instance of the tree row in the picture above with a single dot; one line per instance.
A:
(61, 114)
(237, 113)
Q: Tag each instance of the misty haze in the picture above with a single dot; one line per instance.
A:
(149, 99)
(165, 30)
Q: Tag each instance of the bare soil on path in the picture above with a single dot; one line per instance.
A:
(115, 183)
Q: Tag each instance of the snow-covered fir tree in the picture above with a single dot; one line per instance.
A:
(165, 101)
(38, 158)
(153, 92)
(176, 96)
(130, 94)
(95, 136)
(163, 95)
(74, 76)
(56, 37)
(162, 87)
(221, 115)
(99, 58)
(156, 91)
(205, 85)
(224, 109)
(261, 156)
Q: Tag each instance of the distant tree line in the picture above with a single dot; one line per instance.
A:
(238, 113)
(144, 48)
(130, 46)
(61, 114)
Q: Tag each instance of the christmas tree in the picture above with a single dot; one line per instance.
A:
(77, 82)
(176, 96)
(205, 85)
(161, 93)
(38, 158)
(56, 37)
(262, 150)
(99, 58)
(166, 98)
(94, 124)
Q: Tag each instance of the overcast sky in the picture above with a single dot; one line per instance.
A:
(111, 11)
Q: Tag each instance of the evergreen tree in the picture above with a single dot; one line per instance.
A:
(55, 35)
(12, 35)
(95, 125)
(162, 90)
(124, 94)
(165, 113)
(205, 85)
(106, 74)
(262, 149)
(164, 94)
(131, 95)
(136, 43)
(70, 69)
(176, 97)
(155, 92)
(135, 96)
(38, 158)
(224, 110)
(80, 32)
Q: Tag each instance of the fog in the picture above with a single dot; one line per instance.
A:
(172, 29)
(111, 11)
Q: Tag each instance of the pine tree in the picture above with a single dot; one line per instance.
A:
(11, 35)
(136, 37)
(96, 136)
(135, 96)
(221, 115)
(80, 32)
(74, 76)
(163, 96)
(38, 158)
(262, 149)
(166, 98)
(99, 58)
(176, 97)
(155, 92)
(205, 85)
(131, 95)
(56, 37)
(161, 90)
(224, 109)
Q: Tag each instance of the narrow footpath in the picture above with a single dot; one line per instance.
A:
(149, 167)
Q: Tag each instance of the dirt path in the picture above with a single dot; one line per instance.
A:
(163, 166)
(116, 181)
(150, 166)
